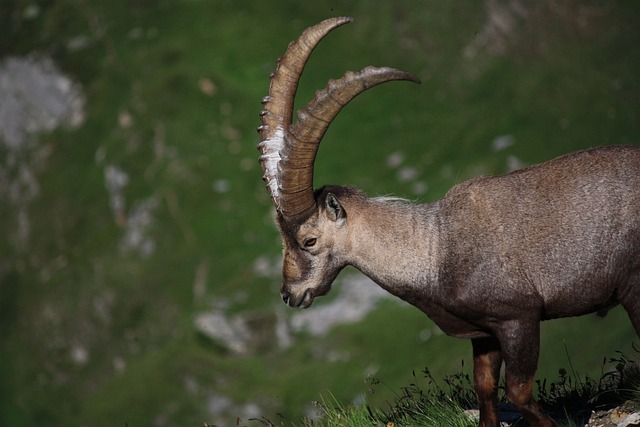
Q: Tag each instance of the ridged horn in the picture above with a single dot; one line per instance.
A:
(289, 151)
(313, 121)
(278, 105)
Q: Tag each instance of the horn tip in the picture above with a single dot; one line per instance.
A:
(414, 79)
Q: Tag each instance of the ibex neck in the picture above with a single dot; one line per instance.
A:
(396, 244)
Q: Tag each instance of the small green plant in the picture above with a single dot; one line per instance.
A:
(432, 403)
(416, 398)
(335, 414)
(575, 397)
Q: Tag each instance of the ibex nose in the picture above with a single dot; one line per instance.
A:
(286, 296)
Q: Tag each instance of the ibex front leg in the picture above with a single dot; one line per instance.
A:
(487, 360)
(520, 342)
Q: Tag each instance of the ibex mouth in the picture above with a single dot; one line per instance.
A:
(307, 300)
(304, 302)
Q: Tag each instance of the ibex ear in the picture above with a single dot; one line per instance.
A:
(335, 211)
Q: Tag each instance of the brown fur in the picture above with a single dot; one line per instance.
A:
(490, 260)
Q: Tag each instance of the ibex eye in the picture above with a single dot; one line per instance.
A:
(310, 242)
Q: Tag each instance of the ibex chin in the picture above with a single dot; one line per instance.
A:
(488, 261)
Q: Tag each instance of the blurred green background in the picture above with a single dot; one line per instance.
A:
(139, 268)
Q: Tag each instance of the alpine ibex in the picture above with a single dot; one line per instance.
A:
(488, 261)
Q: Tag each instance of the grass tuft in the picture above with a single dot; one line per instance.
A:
(576, 396)
(431, 402)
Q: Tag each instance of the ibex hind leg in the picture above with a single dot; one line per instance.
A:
(520, 343)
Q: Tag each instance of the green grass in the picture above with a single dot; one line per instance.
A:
(433, 414)
(571, 398)
(561, 84)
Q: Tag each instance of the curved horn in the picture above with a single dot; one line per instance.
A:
(278, 105)
(303, 139)
(289, 151)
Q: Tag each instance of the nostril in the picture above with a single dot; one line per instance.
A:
(285, 297)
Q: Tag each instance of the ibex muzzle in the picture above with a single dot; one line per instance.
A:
(488, 261)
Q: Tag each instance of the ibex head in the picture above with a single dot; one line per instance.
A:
(313, 224)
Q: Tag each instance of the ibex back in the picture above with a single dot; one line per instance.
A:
(488, 261)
